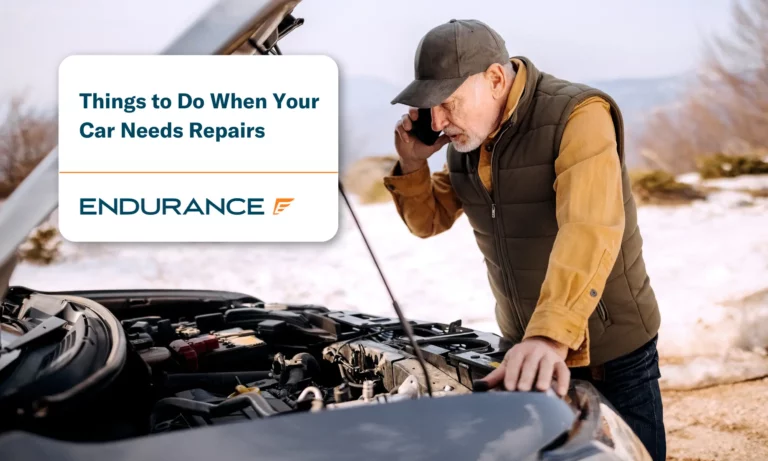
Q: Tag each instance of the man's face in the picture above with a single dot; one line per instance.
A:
(469, 115)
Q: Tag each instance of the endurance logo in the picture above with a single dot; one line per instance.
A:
(281, 204)
(125, 206)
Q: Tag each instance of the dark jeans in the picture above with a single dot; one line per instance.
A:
(631, 384)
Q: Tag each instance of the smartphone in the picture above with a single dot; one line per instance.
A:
(422, 128)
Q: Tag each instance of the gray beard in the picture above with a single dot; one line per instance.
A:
(467, 147)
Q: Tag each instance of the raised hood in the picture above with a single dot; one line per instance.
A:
(224, 29)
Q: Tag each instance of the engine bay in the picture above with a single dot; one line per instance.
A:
(128, 364)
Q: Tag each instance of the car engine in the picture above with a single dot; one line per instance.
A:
(112, 365)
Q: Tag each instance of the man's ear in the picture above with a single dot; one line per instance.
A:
(497, 78)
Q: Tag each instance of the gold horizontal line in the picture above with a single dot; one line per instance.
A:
(198, 172)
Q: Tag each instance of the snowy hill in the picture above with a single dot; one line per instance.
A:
(708, 264)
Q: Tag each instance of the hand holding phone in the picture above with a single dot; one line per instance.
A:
(422, 128)
(415, 141)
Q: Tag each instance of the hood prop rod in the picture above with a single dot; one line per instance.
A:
(403, 322)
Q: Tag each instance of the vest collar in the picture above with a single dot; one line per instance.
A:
(513, 99)
(532, 76)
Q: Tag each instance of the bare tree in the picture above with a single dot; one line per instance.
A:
(26, 136)
(726, 110)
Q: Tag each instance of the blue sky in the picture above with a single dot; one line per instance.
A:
(584, 40)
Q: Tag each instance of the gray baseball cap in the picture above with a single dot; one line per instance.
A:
(447, 56)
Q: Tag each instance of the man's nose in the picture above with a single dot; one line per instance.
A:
(439, 119)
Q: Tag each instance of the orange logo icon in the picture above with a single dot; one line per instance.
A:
(281, 204)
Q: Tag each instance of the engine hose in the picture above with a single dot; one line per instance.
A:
(188, 405)
(424, 331)
(181, 405)
(295, 376)
(222, 381)
(242, 401)
(310, 390)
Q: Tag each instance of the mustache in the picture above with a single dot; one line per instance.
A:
(452, 131)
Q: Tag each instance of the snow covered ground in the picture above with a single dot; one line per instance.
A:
(703, 259)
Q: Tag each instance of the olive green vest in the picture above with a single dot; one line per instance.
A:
(516, 225)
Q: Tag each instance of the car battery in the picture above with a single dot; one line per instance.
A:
(236, 347)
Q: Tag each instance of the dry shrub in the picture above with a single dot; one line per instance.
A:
(727, 109)
(658, 187)
(26, 137)
(730, 166)
(365, 178)
(42, 245)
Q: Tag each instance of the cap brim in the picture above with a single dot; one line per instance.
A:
(424, 94)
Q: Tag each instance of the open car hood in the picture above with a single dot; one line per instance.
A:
(491, 426)
(163, 389)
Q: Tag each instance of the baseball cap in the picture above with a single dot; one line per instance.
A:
(447, 56)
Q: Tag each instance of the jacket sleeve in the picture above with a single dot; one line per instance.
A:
(427, 204)
(590, 215)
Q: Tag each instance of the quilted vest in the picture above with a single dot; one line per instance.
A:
(515, 225)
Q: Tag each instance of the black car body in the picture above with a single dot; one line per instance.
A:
(99, 375)
(191, 374)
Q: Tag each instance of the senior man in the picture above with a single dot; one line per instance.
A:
(536, 163)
